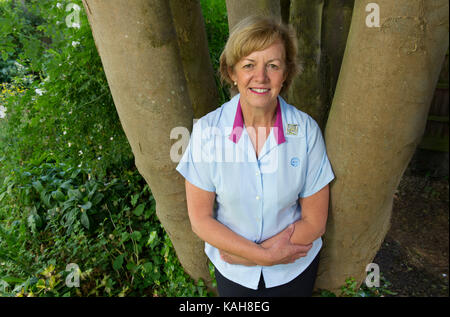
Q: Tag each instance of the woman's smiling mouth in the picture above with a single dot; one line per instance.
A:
(259, 91)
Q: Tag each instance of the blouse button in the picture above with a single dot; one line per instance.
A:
(257, 197)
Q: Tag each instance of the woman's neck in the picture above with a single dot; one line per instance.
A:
(259, 117)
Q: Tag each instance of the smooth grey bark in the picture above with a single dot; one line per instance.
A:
(138, 47)
(240, 9)
(193, 44)
(305, 92)
(377, 118)
(337, 16)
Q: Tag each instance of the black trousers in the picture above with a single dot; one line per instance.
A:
(301, 286)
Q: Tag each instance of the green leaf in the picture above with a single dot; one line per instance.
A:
(34, 122)
(92, 191)
(147, 266)
(12, 280)
(97, 198)
(66, 185)
(85, 220)
(58, 195)
(118, 262)
(134, 199)
(136, 235)
(46, 199)
(87, 205)
(124, 237)
(152, 238)
(38, 186)
(131, 267)
(74, 193)
(40, 283)
(139, 210)
(75, 173)
(5, 55)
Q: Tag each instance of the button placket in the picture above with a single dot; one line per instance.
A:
(259, 200)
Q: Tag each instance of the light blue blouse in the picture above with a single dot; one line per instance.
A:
(257, 197)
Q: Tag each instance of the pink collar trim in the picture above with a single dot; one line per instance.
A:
(238, 125)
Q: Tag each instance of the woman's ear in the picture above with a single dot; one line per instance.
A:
(231, 73)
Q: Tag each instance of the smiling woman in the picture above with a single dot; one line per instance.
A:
(259, 76)
(255, 34)
(264, 236)
(259, 60)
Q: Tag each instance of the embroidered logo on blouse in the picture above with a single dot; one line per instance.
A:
(295, 161)
(292, 129)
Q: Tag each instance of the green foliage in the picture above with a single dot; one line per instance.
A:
(64, 91)
(53, 215)
(216, 24)
(10, 69)
(351, 289)
(69, 191)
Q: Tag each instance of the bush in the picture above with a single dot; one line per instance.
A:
(54, 215)
(69, 191)
(65, 106)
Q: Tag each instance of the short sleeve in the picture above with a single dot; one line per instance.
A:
(192, 167)
(319, 172)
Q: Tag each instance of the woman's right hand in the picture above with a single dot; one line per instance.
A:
(280, 250)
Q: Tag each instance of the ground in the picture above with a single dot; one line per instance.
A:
(414, 255)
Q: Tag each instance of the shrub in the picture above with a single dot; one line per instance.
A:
(54, 215)
(65, 106)
(69, 191)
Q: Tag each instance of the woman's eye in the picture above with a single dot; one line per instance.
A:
(248, 66)
(273, 66)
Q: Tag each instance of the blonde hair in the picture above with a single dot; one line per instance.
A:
(256, 33)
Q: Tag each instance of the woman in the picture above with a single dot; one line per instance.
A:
(257, 172)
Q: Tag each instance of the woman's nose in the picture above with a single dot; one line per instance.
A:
(260, 74)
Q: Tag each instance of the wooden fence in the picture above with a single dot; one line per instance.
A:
(436, 135)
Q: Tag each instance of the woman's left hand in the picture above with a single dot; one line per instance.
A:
(234, 259)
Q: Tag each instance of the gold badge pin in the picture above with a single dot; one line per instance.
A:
(292, 129)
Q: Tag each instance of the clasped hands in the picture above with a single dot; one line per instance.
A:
(277, 249)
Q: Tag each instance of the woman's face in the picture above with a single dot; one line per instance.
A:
(260, 76)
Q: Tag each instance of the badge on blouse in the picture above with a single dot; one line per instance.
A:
(295, 161)
(292, 129)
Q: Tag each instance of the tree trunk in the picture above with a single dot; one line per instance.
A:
(284, 10)
(337, 16)
(193, 44)
(305, 90)
(322, 28)
(138, 47)
(240, 9)
(376, 120)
